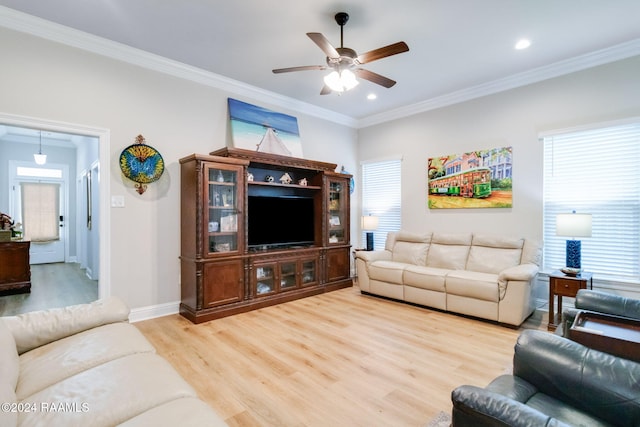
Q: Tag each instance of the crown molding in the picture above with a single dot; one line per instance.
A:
(52, 31)
(567, 66)
(39, 27)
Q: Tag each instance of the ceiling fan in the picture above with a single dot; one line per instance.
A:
(345, 62)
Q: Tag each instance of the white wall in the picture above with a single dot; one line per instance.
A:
(513, 118)
(47, 80)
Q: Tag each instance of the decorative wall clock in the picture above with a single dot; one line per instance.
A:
(141, 163)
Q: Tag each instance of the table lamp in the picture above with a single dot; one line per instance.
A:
(573, 225)
(369, 223)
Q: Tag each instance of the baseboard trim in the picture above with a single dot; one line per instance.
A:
(153, 311)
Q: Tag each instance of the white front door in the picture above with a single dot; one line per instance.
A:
(48, 221)
(39, 203)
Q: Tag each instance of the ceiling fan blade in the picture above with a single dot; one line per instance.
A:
(374, 78)
(303, 68)
(383, 52)
(326, 90)
(324, 44)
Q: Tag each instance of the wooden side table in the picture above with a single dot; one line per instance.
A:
(561, 285)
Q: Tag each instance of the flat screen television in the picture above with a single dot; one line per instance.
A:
(279, 221)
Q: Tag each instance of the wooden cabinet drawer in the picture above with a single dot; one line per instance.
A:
(567, 287)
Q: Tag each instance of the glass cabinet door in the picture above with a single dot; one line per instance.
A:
(265, 280)
(287, 275)
(222, 217)
(338, 210)
(309, 272)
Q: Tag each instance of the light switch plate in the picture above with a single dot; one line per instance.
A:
(117, 201)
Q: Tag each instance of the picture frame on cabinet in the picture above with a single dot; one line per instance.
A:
(229, 223)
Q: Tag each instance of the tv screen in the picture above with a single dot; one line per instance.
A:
(280, 221)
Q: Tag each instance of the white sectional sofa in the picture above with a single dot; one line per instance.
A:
(480, 275)
(85, 365)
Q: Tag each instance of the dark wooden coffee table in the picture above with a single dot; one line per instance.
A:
(611, 334)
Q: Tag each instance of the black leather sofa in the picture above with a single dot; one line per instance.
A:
(555, 382)
(601, 302)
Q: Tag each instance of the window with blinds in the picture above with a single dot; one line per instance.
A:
(595, 171)
(381, 189)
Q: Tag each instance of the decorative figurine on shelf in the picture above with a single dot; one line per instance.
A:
(220, 177)
(6, 227)
(269, 178)
(6, 223)
(249, 177)
(285, 179)
(303, 182)
(141, 164)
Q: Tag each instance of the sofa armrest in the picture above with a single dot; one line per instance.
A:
(371, 256)
(474, 406)
(598, 383)
(603, 302)
(37, 328)
(522, 272)
(568, 317)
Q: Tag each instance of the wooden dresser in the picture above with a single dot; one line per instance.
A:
(15, 272)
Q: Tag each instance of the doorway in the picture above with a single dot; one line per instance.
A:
(39, 202)
(100, 188)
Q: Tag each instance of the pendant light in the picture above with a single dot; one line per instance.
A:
(40, 158)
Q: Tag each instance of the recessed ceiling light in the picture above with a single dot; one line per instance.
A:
(372, 96)
(523, 44)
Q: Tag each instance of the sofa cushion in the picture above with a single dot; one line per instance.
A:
(110, 394)
(492, 254)
(425, 277)
(449, 251)
(410, 248)
(387, 271)
(495, 241)
(33, 329)
(410, 253)
(472, 284)
(492, 260)
(187, 411)
(9, 361)
(9, 370)
(562, 411)
(52, 363)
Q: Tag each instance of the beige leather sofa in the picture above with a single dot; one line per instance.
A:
(85, 365)
(479, 275)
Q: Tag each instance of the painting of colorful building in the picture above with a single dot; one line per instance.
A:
(475, 179)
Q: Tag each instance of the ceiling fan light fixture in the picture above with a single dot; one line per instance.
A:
(341, 81)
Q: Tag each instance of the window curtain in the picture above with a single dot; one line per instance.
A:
(40, 211)
(381, 197)
(595, 171)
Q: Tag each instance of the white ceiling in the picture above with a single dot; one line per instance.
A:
(455, 46)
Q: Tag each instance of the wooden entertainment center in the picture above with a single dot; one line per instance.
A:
(259, 229)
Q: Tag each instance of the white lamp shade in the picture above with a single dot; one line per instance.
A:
(369, 223)
(40, 159)
(573, 225)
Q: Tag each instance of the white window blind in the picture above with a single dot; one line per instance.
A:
(381, 189)
(40, 211)
(598, 172)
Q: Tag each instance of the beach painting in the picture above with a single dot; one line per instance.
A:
(259, 129)
(477, 179)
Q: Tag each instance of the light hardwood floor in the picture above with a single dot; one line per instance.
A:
(52, 285)
(336, 359)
